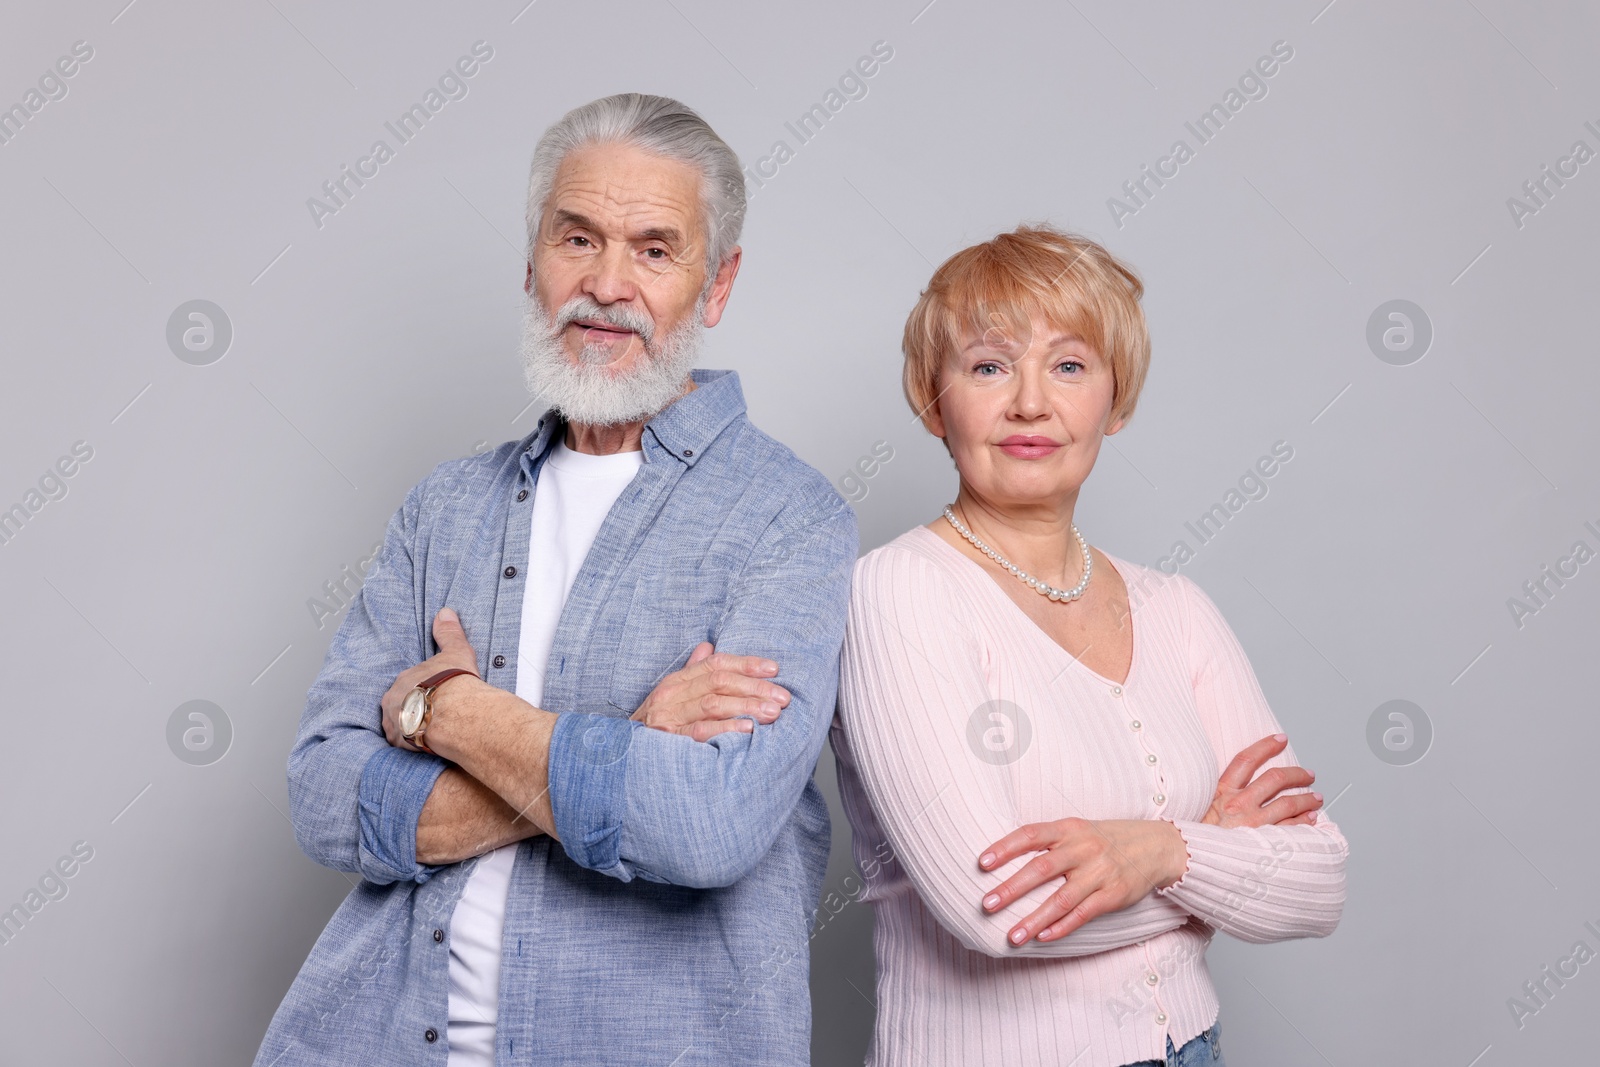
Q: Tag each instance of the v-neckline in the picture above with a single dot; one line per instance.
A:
(988, 580)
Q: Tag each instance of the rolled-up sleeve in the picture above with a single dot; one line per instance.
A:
(353, 799)
(630, 801)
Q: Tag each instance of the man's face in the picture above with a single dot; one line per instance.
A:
(622, 233)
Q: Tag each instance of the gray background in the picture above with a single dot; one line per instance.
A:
(220, 498)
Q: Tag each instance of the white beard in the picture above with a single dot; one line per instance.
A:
(587, 392)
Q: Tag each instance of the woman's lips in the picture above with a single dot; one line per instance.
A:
(1028, 447)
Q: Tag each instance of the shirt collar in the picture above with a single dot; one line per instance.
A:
(683, 429)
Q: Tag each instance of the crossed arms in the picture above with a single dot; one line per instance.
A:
(622, 798)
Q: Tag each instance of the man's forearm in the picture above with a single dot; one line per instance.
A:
(463, 818)
(502, 744)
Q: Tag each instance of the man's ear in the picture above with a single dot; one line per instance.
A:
(527, 281)
(722, 286)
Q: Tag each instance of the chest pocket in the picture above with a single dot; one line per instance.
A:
(668, 615)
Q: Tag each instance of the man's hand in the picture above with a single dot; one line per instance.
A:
(454, 651)
(1242, 802)
(713, 688)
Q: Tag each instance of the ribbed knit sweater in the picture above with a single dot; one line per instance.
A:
(960, 720)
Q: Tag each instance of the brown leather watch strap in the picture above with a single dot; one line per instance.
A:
(438, 679)
(428, 685)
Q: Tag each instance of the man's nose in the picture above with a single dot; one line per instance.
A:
(610, 279)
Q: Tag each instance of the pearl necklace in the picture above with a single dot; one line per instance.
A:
(1040, 587)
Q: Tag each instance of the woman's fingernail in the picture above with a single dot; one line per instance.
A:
(1280, 737)
(1018, 936)
(992, 900)
(1318, 796)
(986, 860)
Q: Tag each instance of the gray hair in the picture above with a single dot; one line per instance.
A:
(656, 124)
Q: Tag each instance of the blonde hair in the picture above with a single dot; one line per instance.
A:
(1070, 281)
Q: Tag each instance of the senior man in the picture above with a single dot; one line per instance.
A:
(583, 812)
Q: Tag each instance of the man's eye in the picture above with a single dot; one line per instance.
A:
(579, 241)
(656, 253)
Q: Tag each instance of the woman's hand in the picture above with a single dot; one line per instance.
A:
(710, 692)
(1108, 865)
(1242, 802)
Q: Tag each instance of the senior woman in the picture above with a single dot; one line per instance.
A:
(1030, 731)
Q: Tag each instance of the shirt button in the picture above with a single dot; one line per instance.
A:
(522, 494)
(1150, 759)
(430, 1035)
(438, 935)
(688, 451)
(1136, 725)
(1160, 798)
(499, 661)
(511, 572)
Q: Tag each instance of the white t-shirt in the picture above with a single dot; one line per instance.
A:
(574, 493)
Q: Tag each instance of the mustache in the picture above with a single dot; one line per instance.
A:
(616, 315)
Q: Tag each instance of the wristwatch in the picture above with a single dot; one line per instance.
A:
(417, 710)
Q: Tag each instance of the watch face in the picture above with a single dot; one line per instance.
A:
(411, 712)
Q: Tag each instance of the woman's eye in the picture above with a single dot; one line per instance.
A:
(986, 370)
(1071, 366)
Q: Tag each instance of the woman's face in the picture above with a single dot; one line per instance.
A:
(1024, 415)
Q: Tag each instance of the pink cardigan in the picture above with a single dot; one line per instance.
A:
(960, 720)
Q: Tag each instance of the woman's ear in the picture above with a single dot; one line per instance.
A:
(933, 418)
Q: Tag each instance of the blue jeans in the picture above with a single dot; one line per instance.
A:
(1205, 1050)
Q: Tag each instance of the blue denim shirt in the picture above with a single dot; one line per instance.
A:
(670, 924)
